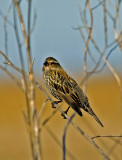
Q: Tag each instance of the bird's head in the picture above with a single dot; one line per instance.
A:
(50, 64)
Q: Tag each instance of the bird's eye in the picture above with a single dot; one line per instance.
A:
(54, 63)
(45, 63)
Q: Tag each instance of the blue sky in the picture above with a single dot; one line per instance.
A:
(53, 34)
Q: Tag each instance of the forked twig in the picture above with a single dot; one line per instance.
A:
(30, 94)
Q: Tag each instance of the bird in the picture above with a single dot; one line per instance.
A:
(63, 87)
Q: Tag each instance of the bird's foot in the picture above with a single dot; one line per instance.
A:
(55, 102)
(65, 112)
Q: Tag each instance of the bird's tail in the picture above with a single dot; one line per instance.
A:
(97, 119)
(91, 112)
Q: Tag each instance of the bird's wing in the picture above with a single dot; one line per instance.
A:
(64, 85)
(74, 95)
(88, 109)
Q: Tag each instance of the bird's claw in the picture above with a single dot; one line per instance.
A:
(63, 115)
(55, 102)
(65, 112)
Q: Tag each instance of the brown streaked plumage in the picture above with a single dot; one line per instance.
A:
(64, 87)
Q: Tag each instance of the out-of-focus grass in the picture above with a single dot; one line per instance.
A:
(104, 97)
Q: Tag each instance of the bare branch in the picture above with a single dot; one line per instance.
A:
(106, 136)
(99, 4)
(25, 86)
(5, 29)
(82, 132)
(89, 37)
(34, 123)
(83, 37)
(12, 77)
(69, 153)
(87, 43)
(47, 119)
(64, 136)
(107, 59)
(119, 40)
(7, 21)
(114, 146)
(105, 24)
(21, 22)
(41, 109)
(34, 22)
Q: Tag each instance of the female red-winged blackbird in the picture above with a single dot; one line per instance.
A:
(64, 87)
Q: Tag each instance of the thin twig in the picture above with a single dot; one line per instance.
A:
(89, 37)
(48, 119)
(105, 24)
(95, 7)
(83, 37)
(7, 20)
(25, 86)
(119, 142)
(109, 53)
(41, 109)
(12, 77)
(21, 22)
(87, 43)
(5, 29)
(64, 136)
(115, 21)
(33, 23)
(106, 136)
(69, 153)
(114, 146)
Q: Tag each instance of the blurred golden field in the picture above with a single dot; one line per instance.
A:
(104, 96)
